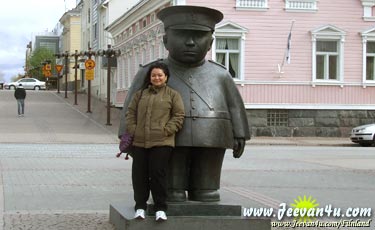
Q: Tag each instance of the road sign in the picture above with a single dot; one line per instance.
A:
(58, 68)
(89, 64)
(89, 74)
(48, 67)
(47, 73)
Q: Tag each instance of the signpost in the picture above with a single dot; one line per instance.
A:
(89, 75)
(90, 72)
(58, 70)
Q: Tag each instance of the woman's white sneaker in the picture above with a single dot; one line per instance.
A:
(140, 214)
(160, 216)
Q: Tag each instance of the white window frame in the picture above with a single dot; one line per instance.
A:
(367, 35)
(232, 30)
(368, 6)
(301, 5)
(328, 33)
(252, 4)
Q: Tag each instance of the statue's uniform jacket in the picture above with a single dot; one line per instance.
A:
(214, 109)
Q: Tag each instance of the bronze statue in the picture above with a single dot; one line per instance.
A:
(215, 116)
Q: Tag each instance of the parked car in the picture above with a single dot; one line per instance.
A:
(363, 135)
(27, 83)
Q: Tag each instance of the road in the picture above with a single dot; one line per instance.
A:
(58, 170)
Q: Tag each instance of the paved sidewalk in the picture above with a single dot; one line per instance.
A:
(99, 114)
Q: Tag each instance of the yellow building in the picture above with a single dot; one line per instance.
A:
(71, 41)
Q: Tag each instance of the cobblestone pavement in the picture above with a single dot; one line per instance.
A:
(57, 166)
(61, 186)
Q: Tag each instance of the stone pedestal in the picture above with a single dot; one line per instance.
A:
(187, 216)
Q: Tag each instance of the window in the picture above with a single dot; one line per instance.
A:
(229, 48)
(227, 54)
(252, 4)
(300, 5)
(88, 16)
(368, 10)
(368, 53)
(277, 117)
(95, 31)
(327, 60)
(370, 60)
(144, 23)
(328, 55)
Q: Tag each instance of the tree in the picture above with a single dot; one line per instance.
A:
(37, 57)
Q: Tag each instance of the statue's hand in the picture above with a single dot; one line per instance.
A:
(239, 147)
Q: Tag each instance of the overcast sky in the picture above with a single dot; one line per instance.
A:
(20, 21)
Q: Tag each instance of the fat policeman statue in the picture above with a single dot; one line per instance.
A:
(215, 116)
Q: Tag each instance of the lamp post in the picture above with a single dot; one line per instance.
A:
(66, 58)
(109, 53)
(75, 55)
(89, 53)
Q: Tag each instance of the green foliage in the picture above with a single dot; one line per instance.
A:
(37, 57)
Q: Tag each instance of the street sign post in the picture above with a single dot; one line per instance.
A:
(90, 72)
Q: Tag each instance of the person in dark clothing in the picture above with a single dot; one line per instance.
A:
(20, 95)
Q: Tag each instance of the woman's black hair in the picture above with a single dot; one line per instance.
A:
(156, 65)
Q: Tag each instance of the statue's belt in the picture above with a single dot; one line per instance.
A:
(210, 114)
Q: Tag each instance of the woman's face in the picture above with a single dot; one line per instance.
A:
(158, 77)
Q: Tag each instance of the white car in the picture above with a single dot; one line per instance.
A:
(363, 135)
(27, 83)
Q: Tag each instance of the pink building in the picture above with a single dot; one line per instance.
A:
(323, 85)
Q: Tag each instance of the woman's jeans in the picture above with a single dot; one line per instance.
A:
(21, 106)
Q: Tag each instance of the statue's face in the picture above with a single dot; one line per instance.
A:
(188, 46)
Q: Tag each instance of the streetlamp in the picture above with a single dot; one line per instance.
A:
(66, 57)
(109, 53)
(75, 55)
(89, 63)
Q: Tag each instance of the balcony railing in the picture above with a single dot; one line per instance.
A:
(251, 3)
(300, 5)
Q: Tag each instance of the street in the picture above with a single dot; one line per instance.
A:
(59, 170)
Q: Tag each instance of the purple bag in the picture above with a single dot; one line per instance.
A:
(126, 144)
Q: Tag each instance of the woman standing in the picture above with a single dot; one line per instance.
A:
(154, 115)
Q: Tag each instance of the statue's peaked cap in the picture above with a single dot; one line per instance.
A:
(190, 17)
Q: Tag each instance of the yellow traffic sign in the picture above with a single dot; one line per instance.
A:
(47, 73)
(58, 68)
(48, 67)
(89, 64)
(89, 74)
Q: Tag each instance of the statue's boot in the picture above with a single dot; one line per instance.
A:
(204, 195)
(176, 196)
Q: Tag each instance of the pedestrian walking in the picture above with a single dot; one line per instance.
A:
(20, 95)
(154, 115)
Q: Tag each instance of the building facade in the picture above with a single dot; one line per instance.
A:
(96, 16)
(71, 41)
(303, 67)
